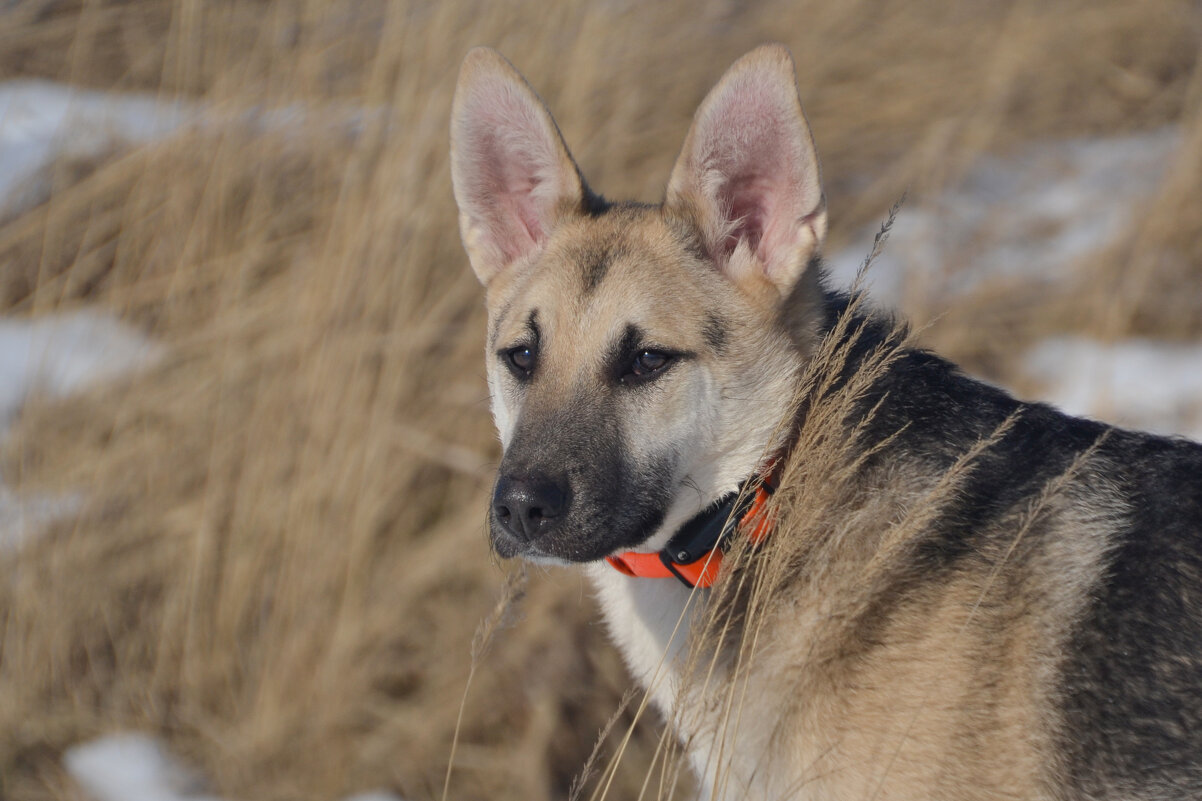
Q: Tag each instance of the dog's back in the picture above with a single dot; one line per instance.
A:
(1042, 626)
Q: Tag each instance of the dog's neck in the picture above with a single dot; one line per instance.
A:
(694, 554)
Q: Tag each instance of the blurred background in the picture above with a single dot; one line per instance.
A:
(245, 448)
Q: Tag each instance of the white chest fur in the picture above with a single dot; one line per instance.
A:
(650, 621)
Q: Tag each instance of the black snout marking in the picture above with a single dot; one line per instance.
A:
(567, 488)
(529, 506)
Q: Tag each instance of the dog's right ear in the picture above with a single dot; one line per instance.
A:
(749, 175)
(512, 174)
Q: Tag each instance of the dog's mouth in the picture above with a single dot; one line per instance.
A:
(508, 547)
(576, 541)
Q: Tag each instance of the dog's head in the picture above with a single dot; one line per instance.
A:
(636, 358)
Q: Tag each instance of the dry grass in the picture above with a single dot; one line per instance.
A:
(282, 562)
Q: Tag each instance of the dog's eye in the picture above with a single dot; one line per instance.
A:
(650, 361)
(520, 361)
(647, 365)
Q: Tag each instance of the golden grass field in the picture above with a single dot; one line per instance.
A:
(282, 562)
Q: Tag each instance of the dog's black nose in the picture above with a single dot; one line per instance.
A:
(527, 506)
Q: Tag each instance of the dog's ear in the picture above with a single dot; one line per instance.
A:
(512, 173)
(748, 173)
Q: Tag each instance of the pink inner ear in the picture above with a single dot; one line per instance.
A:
(504, 196)
(749, 199)
(519, 201)
(753, 155)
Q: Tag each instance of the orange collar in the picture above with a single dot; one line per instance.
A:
(695, 553)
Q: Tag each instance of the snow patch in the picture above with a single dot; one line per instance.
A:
(60, 354)
(1154, 386)
(42, 120)
(1034, 215)
(23, 516)
(138, 767)
(55, 356)
(132, 767)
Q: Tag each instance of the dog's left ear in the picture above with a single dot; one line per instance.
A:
(511, 171)
(749, 176)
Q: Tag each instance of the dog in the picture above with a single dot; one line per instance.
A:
(959, 596)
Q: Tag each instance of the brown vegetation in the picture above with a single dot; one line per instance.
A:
(282, 563)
